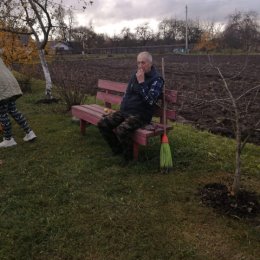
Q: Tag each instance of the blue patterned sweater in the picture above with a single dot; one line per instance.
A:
(140, 99)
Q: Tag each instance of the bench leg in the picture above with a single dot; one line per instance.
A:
(82, 126)
(135, 150)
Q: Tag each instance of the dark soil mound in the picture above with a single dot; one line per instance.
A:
(245, 204)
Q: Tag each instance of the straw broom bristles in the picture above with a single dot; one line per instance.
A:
(165, 155)
(165, 152)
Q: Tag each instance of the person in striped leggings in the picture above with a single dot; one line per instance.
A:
(9, 92)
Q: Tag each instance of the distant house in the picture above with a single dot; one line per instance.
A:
(24, 38)
(67, 47)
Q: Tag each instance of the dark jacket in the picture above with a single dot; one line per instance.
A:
(140, 99)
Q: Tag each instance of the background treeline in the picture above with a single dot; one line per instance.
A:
(241, 31)
(30, 28)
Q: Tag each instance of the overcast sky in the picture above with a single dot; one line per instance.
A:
(110, 16)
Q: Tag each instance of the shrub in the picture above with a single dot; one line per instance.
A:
(24, 81)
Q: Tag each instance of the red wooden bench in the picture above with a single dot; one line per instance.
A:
(111, 93)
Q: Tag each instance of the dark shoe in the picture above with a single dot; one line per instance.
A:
(117, 150)
(127, 158)
(124, 162)
(128, 155)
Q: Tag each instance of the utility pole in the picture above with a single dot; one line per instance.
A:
(186, 40)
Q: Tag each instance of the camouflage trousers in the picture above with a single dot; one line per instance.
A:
(10, 108)
(117, 129)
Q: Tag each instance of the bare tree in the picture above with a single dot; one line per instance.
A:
(173, 30)
(238, 111)
(144, 33)
(61, 31)
(127, 37)
(65, 22)
(86, 36)
(71, 22)
(168, 30)
(242, 31)
(194, 31)
(38, 16)
(228, 105)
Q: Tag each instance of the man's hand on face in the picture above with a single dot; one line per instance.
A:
(140, 76)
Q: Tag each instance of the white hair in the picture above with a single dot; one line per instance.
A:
(147, 55)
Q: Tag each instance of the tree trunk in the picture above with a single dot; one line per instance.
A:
(47, 75)
(236, 181)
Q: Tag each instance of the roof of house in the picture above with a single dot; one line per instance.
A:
(24, 38)
(72, 45)
(77, 46)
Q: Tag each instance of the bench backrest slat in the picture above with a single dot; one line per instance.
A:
(112, 86)
(170, 96)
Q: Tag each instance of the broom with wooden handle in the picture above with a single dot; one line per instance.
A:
(165, 152)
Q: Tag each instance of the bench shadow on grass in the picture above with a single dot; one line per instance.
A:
(48, 101)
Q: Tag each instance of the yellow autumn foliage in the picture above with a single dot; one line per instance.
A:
(205, 43)
(18, 48)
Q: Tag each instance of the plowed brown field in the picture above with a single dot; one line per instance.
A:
(203, 101)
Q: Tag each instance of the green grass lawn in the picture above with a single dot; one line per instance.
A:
(65, 197)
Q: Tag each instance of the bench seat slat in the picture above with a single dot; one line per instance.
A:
(97, 108)
(86, 114)
(141, 135)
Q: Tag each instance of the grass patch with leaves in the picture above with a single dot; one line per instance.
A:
(65, 197)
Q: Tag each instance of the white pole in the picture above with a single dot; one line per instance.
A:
(186, 41)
